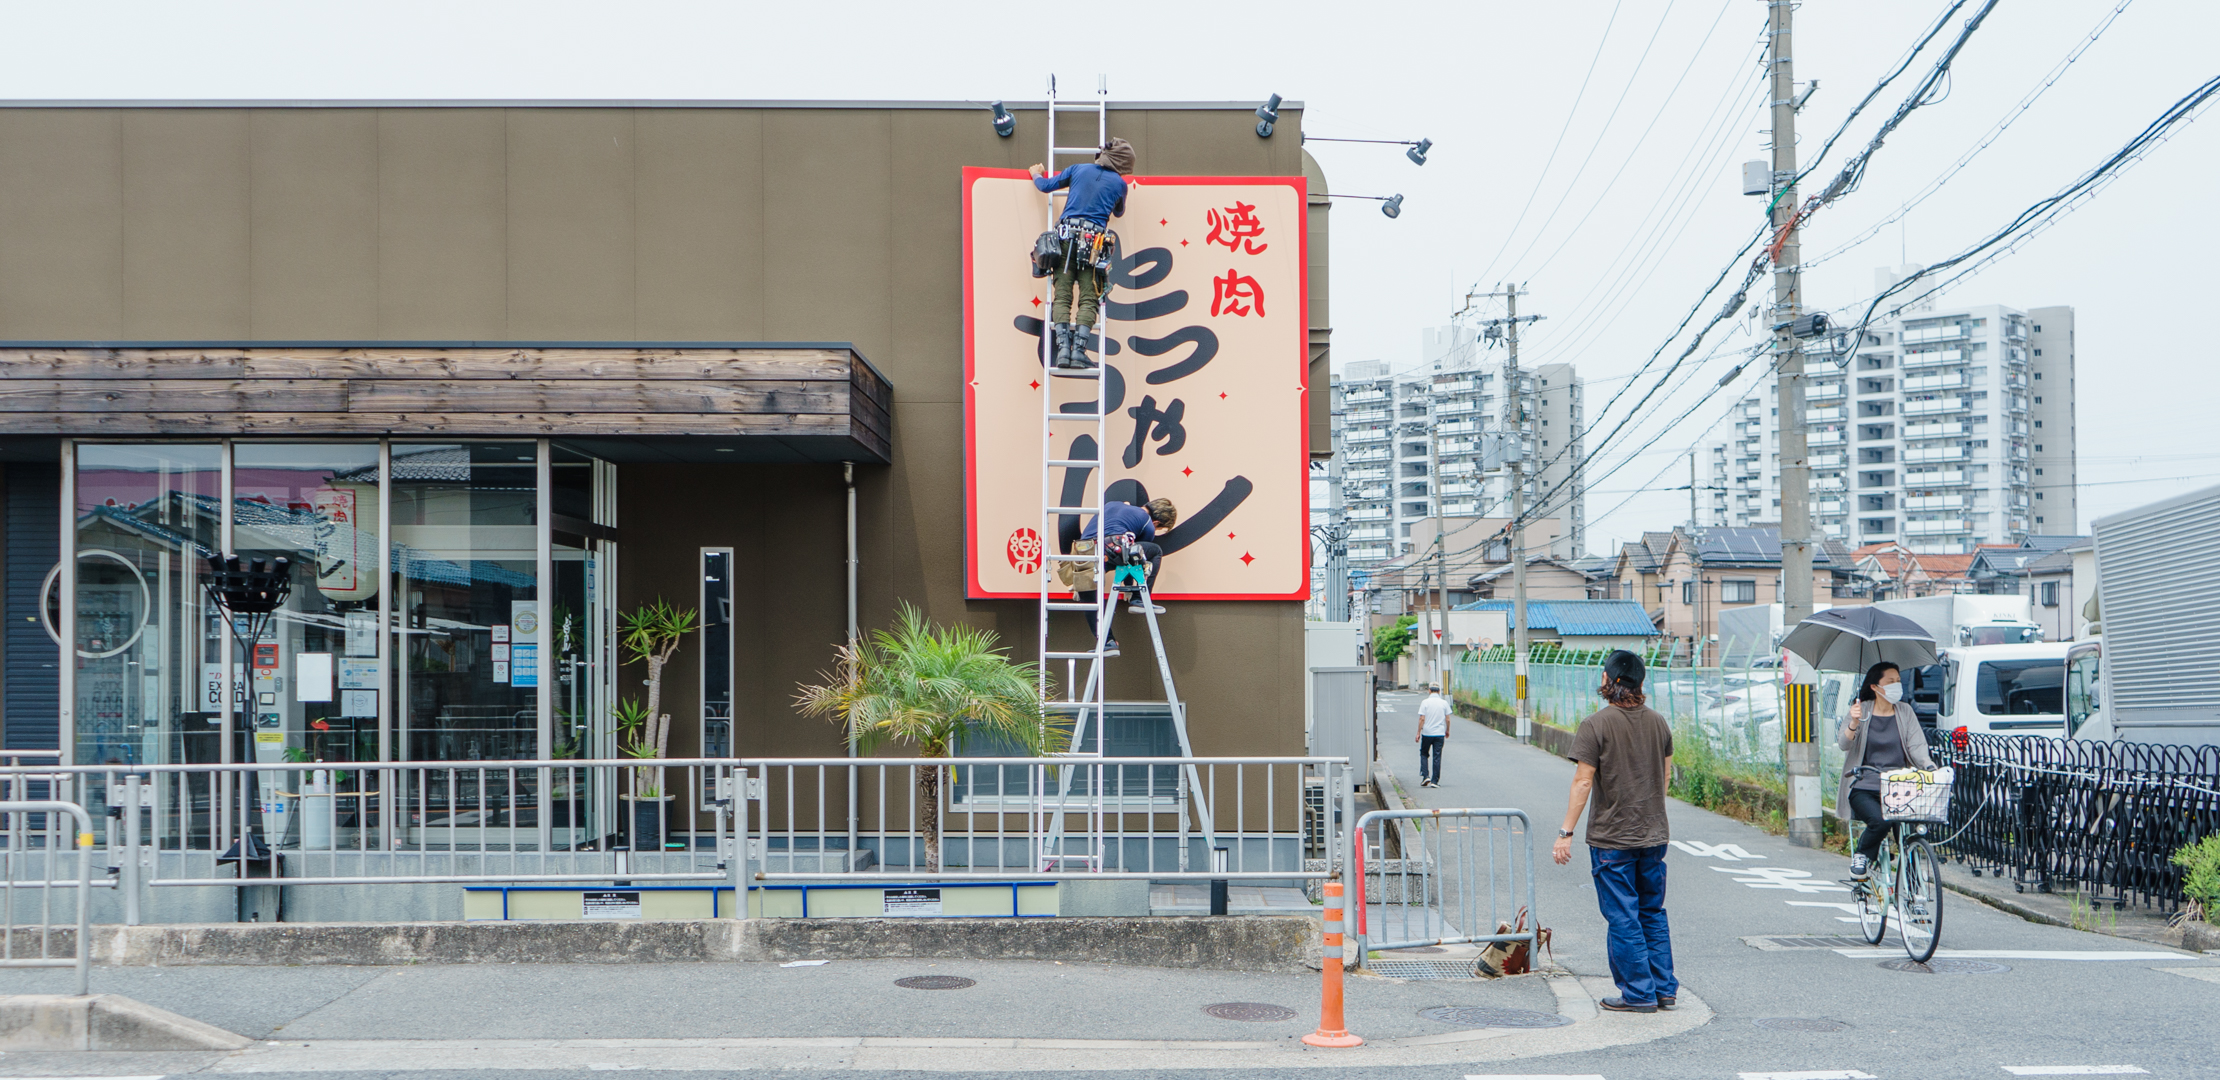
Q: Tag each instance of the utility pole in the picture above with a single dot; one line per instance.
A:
(1796, 599)
(1433, 490)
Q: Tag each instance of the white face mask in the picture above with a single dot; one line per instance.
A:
(1894, 692)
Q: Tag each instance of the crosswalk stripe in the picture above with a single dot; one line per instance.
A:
(1823, 1074)
(2024, 954)
(2073, 1070)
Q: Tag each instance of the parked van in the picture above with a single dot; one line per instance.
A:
(2005, 689)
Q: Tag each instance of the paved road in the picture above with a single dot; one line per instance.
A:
(2068, 999)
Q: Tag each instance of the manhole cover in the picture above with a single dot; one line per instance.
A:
(1946, 967)
(1481, 1016)
(1254, 1012)
(935, 982)
(1799, 1023)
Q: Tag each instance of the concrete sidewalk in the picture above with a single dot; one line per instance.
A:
(1017, 1016)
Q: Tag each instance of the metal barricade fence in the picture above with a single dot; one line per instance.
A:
(35, 839)
(997, 818)
(1441, 877)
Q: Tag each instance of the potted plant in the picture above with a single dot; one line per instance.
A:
(930, 687)
(651, 635)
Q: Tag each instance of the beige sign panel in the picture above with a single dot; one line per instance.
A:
(1207, 368)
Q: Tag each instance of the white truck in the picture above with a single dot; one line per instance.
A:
(2145, 678)
(1969, 619)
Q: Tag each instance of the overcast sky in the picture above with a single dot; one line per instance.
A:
(1642, 111)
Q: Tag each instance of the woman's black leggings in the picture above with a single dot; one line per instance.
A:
(1866, 807)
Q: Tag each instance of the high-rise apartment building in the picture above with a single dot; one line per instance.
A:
(1946, 429)
(1383, 422)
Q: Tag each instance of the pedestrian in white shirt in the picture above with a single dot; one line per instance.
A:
(1433, 731)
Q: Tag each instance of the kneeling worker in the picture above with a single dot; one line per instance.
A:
(1097, 193)
(1138, 524)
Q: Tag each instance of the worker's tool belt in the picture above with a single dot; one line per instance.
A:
(1048, 253)
(1087, 244)
(1078, 576)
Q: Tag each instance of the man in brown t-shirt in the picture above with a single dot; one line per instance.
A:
(1624, 757)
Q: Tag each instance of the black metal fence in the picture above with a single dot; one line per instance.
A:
(2105, 816)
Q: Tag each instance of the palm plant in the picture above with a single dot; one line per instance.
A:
(931, 687)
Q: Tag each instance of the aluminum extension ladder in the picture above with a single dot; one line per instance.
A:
(1087, 699)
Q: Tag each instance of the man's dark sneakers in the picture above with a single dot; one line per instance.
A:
(1620, 1005)
(1667, 1001)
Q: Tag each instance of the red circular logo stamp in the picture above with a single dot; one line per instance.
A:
(1025, 551)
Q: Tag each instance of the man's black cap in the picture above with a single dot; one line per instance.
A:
(1624, 667)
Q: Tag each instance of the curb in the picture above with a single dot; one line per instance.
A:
(110, 1022)
(1590, 1030)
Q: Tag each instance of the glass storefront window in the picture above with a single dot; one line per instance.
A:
(466, 585)
(147, 518)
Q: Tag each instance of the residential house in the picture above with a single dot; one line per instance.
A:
(1702, 571)
(1582, 624)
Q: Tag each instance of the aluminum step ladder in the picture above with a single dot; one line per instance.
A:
(1084, 425)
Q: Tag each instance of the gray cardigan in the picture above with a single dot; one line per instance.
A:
(1853, 748)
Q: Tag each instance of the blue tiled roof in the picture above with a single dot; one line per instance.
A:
(1579, 618)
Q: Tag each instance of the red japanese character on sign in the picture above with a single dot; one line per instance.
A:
(1228, 292)
(1024, 550)
(1237, 228)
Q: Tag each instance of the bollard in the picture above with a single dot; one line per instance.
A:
(1332, 1029)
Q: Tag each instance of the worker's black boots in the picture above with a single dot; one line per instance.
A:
(1071, 347)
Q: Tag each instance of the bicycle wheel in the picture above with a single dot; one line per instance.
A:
(1919, 897)
(1872, 901)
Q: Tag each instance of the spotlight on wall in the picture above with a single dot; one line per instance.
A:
(1267, 114)
(1004, 124)
(1392, 206)
(1417, 153)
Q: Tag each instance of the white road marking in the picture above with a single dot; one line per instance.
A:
(2022, 954)
(2210, 975)
(1779, 877)
(1701, 850)
(1823, 1074)
(2073, 1070)
(1851, 908)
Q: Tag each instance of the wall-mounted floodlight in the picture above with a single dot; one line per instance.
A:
(1391, 205)
(1267, 115)
(1004, 124)
(1417, 153)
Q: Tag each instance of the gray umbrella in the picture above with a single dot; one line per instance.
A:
(1856, 638)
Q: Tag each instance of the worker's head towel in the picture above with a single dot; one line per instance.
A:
(1116, 154)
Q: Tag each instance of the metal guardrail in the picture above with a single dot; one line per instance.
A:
(2105, 815)
(34, 841)
(1441, 877)
(1275, 818)
(295, 824)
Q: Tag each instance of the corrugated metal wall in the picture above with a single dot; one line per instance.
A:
(30, 696)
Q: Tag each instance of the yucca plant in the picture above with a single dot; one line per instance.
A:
(931, 687)
(652, 634)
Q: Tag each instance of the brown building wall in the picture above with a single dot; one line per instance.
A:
(631, 224)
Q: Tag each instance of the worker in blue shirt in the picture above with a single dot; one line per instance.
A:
(1097, 193)
(1139, 523)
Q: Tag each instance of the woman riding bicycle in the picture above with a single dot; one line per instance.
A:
(1877, 739)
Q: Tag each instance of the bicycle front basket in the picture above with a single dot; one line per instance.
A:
(1916, 794)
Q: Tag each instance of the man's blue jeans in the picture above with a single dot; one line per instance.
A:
(1429, 757)
(1630, 888)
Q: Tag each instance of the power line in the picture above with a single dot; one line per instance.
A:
(1988, 139)
(1561, 132)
